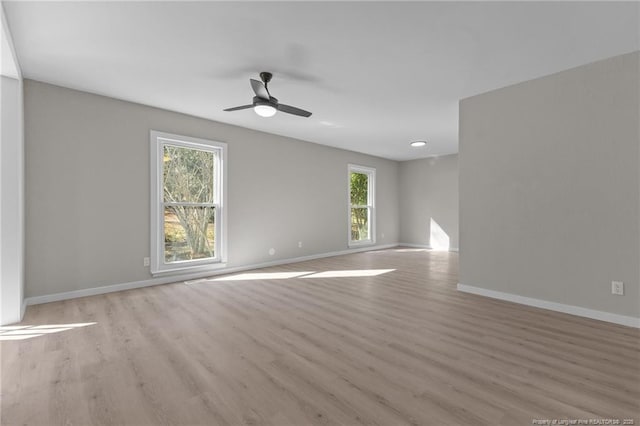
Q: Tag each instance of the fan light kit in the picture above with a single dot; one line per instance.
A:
(265, 110)
(266, 105)
(418, 144)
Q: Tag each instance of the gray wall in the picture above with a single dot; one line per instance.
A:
(87, 190)
(429, 190)
(549, 187)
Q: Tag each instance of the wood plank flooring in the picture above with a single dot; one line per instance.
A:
(399, 348)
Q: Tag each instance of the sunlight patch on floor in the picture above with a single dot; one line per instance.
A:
(22, 332)
(350, 273)
(263, 276)
(305, 274)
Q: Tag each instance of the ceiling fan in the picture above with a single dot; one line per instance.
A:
(266, 105)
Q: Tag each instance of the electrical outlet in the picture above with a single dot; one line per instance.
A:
(617, 287)
(299, 244)
(382, 236)
(272, 251)
(145, 261)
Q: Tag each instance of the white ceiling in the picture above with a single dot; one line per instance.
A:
(8, 67)
(375, 75)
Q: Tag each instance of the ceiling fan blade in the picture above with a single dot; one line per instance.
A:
(238, 108)
(260, 90)
(293, 110)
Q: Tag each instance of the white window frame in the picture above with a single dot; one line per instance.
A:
(371, 204)
(158, 265)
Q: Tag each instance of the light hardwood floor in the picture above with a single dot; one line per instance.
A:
(402, 347)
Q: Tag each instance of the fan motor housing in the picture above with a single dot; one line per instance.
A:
(259, 101)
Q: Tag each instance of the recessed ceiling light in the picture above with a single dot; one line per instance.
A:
(418, 144)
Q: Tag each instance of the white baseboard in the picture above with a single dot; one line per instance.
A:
(36, 300)
(425, 246)
(553, 306)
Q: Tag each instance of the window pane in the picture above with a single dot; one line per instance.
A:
(359, 189)
(189, 233)
(187, 175)
(359, 224)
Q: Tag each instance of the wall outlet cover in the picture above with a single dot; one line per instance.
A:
(617, 287)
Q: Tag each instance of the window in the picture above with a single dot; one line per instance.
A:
(361, 205)
(187, 203)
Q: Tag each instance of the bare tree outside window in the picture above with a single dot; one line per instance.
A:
(359, 191)
(189, 203)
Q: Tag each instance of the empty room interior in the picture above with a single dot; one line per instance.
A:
(319, 213)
